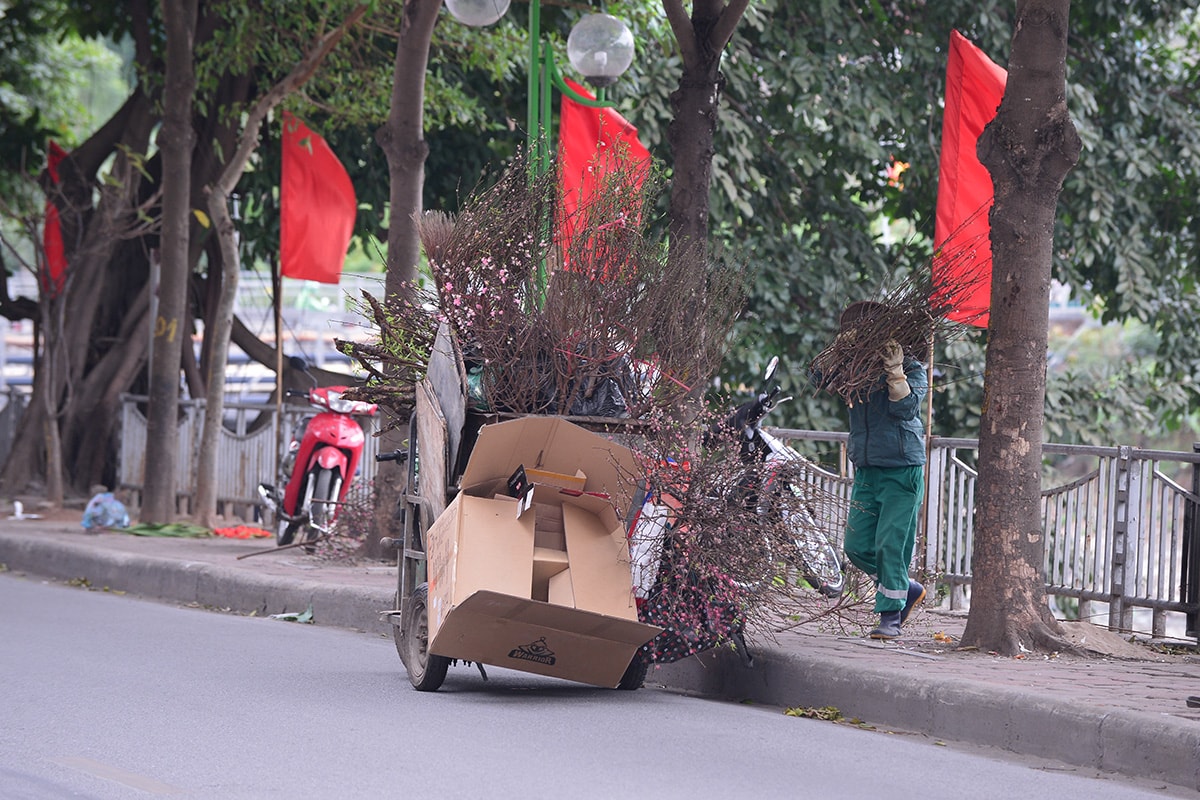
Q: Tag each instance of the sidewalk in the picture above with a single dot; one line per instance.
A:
(1122, 710)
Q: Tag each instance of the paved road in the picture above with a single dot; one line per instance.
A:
(1123, 713)
(117, 697)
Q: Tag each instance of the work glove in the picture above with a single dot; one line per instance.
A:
(893, 368)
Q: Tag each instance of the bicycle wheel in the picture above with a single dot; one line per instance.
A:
(818, 558)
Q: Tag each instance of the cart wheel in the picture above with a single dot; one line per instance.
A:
(399, 638)
(425, 670)
(635, 673)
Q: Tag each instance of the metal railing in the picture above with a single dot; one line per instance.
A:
(1122, 530)
(246, 452)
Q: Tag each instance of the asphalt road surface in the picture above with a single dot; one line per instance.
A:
(107, 696)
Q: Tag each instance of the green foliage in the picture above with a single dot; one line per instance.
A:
(54, 84)
(821, 97)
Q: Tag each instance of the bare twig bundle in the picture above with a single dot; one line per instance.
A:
(435, 229)
(397, 358)
(911, 314)
(726, 552)
(580, 314)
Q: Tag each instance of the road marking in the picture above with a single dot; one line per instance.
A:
(109, 772)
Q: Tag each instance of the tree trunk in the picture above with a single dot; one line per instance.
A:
(177, 141)
(402, 139)
(1028, 148)
(702, 39)
(218, 207)
(102, 277)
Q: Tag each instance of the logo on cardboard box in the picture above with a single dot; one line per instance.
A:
(534, 651)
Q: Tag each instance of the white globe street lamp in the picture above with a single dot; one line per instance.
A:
(600, 47)
(477, 13)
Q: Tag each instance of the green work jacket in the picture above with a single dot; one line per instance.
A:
(887, 433)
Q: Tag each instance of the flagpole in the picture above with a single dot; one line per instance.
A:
(923, 538)
(277, 309)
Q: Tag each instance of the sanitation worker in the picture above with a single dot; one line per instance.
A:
(887, 447)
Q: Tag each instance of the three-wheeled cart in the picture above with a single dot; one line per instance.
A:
(534, 577)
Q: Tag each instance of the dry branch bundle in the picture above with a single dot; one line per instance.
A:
(396, 359)
(725, 554)
(913, 314)
(602, 322)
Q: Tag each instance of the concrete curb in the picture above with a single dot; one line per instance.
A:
(200, 583)
(1131, 743)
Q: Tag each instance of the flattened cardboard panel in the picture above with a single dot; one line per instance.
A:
(441, 549)
(602, 580)
(495, 549)
(431, 445)
(445, 377)
(537, 637)
(561, 618)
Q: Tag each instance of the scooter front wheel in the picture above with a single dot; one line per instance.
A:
(327, 486)
(819, 559)
(286, 533)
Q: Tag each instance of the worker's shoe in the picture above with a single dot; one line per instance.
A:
(916, 593)
(889, 626)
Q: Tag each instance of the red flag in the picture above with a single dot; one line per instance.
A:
(590, 141)
(54, 271)
(962, 235)
(317, 207)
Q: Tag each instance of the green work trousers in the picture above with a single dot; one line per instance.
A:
(882, 529)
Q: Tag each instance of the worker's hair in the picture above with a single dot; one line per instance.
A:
(859, 310)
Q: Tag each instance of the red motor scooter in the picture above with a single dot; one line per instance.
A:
(321, 462)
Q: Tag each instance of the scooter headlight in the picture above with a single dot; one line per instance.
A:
(340, 404)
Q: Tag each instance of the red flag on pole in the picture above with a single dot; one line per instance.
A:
(591, 140)
(962, 235)
(54, 271)
(317, 207)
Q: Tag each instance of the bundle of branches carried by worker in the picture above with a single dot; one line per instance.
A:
(396, 358)
(714, 552)
(913, 314)
(578, 312)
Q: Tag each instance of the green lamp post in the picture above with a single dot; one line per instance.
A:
(600, 47)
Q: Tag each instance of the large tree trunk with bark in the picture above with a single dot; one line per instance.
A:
(702, 39)
(103, 281)
(402, 139)
(178, 139)
(1028, 148)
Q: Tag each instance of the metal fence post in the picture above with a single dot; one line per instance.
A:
(1189, 590)
(1120, 543)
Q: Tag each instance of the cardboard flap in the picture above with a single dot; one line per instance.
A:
(533, 636)
(551, 444)
(604, 584)
(559, 618)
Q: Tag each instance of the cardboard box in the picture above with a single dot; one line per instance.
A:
(545, 587)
